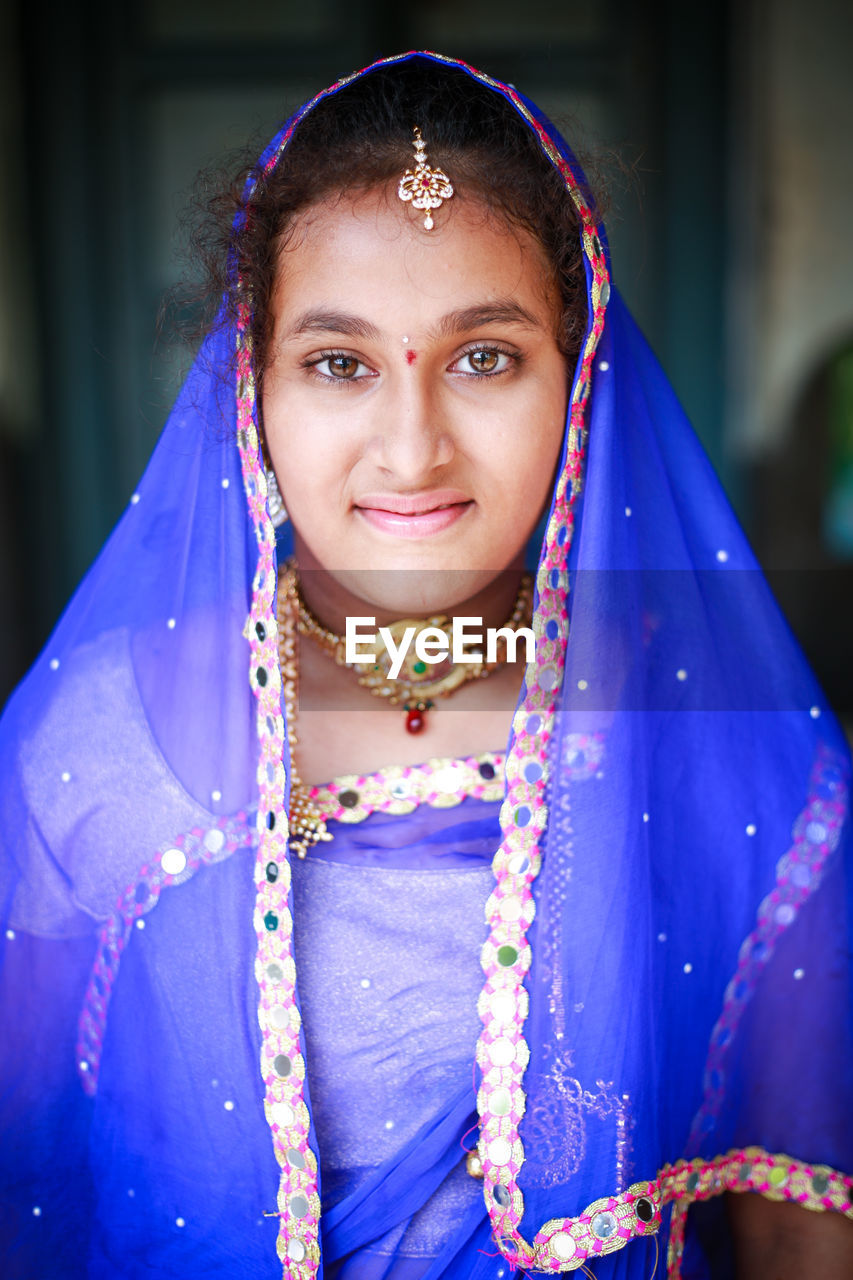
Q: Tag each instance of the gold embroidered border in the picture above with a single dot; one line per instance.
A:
(776, 1177)
(281, 1060)
(441, 782)
(502, 1051)
(610, 1223)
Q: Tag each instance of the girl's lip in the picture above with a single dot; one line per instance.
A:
(415, 524)
(412, 504)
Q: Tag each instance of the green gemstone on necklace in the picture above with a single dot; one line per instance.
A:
(419, 668)
(507, 956)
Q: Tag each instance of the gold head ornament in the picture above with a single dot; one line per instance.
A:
(426, 188)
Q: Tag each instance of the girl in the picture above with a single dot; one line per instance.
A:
(416, 964)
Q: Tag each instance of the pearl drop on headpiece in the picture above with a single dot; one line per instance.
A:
(426, 188)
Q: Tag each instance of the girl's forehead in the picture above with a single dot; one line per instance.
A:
(369, 255)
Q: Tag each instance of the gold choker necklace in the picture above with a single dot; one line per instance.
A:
(307, 827)
(418, 682)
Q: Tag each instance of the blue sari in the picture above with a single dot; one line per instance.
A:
(664, 1012)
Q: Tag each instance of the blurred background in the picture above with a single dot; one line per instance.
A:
(731, 241)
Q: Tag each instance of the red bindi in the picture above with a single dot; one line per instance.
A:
(411, 356)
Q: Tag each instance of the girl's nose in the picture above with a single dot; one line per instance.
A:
(413, 439)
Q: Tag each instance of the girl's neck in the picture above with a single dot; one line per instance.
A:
(390, 595)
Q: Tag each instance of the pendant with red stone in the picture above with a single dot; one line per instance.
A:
(416, 715)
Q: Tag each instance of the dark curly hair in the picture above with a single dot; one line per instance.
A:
(361, 138)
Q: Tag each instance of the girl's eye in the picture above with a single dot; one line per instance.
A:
(338, 366)
(483, 360)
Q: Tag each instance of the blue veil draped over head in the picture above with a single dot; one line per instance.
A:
(665, 1009)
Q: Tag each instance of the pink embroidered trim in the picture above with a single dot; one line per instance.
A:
(583, 755)
(565, 1244)
(607, 1225)
(174, 863)
(675, 1245)
(502, 1051)
(798, 874)
(777, 1177)
(441, 782)
(281, 1059)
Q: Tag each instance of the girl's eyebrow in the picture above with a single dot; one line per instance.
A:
(323, 321)
(497, 311)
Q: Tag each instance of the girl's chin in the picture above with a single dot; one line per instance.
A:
(417, 591)
(412, 591)
(405, 578)
(454, 550)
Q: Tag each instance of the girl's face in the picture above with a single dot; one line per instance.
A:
(415, 397)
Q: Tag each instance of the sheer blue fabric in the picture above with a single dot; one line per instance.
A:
(382, 985)
(688, 983)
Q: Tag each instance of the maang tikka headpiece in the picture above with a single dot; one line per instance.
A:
(426, 188)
